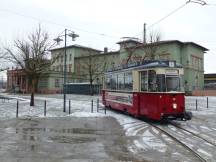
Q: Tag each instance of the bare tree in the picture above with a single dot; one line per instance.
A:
(31, 55)
(93, 66)
(1, 57)
(150, 48)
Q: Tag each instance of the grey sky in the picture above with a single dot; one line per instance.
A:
(101, 23)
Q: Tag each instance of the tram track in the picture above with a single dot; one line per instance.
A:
(138, 126)
(187, 140)
(194, 134)
(180, 142)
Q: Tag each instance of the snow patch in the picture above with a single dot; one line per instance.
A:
(204, 152)
(87, 114)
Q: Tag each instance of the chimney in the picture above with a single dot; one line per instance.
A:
(105, 50)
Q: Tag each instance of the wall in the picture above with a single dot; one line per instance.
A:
(183, 53)
(194, 70)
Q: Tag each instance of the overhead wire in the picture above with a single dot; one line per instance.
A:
(166, 16)
(201, 2)
(54, 23)
(171, 13)
(163, 18)
(102, 34)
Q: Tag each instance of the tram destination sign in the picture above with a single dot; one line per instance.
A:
(172, 72)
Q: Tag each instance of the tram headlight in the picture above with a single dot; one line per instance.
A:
(174, 106)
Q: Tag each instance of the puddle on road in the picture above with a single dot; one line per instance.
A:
(73, 131)
(52, 130)
(71, 140)
(58, 135)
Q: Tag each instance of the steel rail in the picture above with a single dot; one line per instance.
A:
(181, 143)
(196, 135)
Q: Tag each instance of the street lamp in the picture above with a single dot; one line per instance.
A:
(58, 40)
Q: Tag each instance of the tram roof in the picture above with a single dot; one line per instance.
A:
(148, 64)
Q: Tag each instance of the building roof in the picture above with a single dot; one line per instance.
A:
(129, 40)
(76, 46)
(162, 42)
(182, 43)
(101, 54)
(210, 75)
(110, 53)
(195, 44)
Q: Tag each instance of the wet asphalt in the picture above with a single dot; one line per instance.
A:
(68, 139)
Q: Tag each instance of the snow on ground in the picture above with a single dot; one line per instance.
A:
(150, 138)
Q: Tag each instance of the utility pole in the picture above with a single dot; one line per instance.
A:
(144, 33)
(65, 71)
(2, 82)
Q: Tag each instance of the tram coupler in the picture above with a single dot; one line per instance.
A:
(187, 115)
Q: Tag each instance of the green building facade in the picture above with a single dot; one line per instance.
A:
(81, 59)
(189, 54)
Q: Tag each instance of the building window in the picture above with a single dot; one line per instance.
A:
(43, 83)
(57, 83)
(197, 62)
(70, 66)
(70, 57)
(165, 56)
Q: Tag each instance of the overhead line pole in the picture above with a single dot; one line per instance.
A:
(65, 71)
(144, 33)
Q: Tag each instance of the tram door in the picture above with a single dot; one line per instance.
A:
(148, 81)
(148, 100)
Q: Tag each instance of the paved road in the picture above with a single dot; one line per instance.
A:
(63, 140)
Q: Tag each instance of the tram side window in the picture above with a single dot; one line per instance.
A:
(128, 81)
(121, 81)
(144, 81)
(181, 83)
(113, 82)
(108, 81)
(161, 83)
(152, 84)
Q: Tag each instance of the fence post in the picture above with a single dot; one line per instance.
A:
(69, 107)
(17, 109)
(45, 108)
(97, 105)
(196, 104)
(207, 103)
(92, 106)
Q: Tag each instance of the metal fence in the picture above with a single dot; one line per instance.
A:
(14, 107)
(200, 103)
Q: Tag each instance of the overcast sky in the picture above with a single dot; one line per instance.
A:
(101, 23)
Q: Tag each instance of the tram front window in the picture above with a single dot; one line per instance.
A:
(161, 83)
(172, 83)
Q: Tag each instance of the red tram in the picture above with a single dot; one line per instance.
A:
(153, 90)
